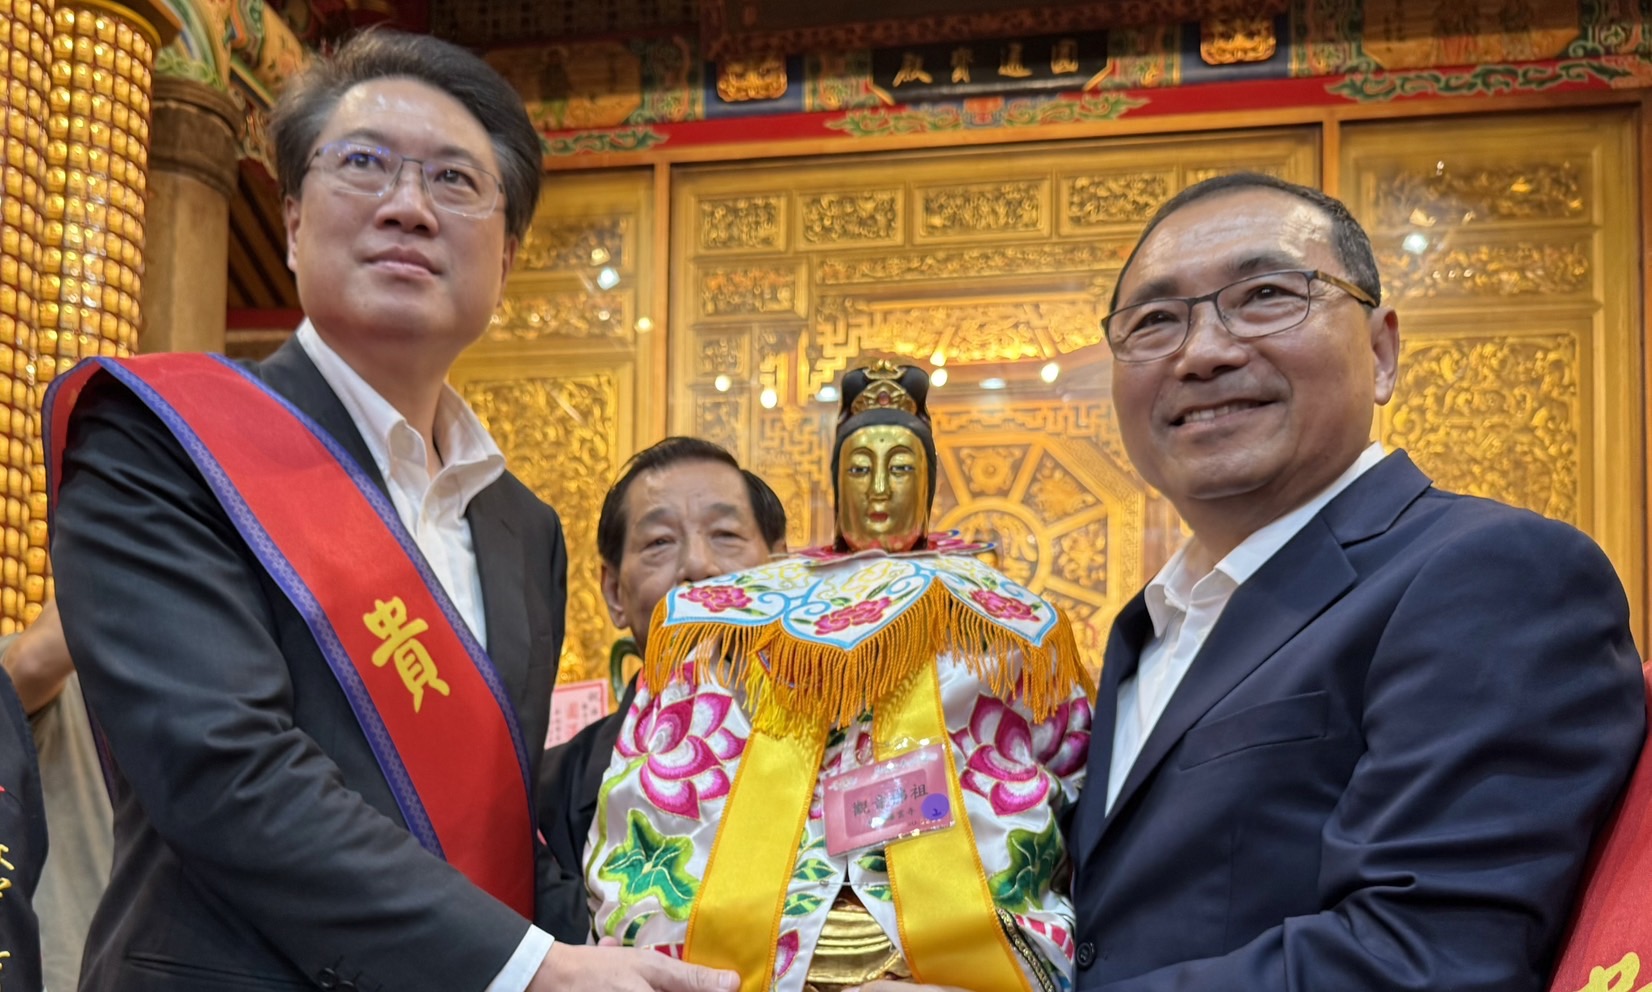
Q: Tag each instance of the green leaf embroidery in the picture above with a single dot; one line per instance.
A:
(649, 864)
(629, 937)
(602, 804)
(1033, 862)
(814, 870)
(879, 891)
(801, 904)
(874, 861)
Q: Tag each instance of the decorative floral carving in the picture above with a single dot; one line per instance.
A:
(722, 354)
(742, 223)
(969, 263)
(1450, 197)
(971, 332)
(1016, 550)
(719, 420)
(1055, 493)
(990, 471)
(1081, 557)
(556, 436)
(975, 209)
(740, 80)
(1495, 417)
(1198, 174)
(575, 245)
(840, 218)
(561, 315)
(1124, 198)
(1234, 40)
(1515, 269)
(755, 290)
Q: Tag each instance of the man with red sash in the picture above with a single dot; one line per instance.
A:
(316, 619)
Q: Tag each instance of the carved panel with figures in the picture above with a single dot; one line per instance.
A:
(563, 377)
(998, 284)
(1505, 252)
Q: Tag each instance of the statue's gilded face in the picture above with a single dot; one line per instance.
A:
(882, 489)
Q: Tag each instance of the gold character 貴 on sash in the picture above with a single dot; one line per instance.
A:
(1620, 977)
(388, 622)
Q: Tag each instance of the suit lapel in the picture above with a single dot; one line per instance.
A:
(500, 563)
(291, 373)
(1286, 594)
(1131, 630)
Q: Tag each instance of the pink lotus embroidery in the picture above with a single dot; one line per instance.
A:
(1002, 765)
(947, 542)
(1002, 607)
(686, 744)
(785, 953)
(856, 615)
(716, 599)
(1062, 741)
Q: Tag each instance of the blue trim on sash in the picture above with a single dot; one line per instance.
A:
(264, 548)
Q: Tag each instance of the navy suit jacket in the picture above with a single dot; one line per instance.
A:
(257, 843)
(22, 844)
(1383, 769)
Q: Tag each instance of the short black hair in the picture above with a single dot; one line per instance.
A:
(611, 523)
(309, 99)
(1348, 239)
(766, 507)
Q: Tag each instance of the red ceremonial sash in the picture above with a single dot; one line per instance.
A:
(425, 693)
(1609, 947)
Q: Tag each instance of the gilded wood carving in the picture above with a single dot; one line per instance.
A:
(985, 267)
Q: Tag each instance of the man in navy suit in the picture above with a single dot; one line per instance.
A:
(1359, 733)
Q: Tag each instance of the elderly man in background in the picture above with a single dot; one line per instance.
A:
(682, 510)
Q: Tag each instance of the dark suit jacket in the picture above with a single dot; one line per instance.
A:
(23, 839)
(257, 844)
(1384, 768)
(569, 779)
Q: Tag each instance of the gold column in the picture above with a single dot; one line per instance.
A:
(77, 80)
(192, 171)
(97, 159)
(25, 74)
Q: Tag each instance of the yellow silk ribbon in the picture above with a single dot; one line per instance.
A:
(948, 923)
(755, 854)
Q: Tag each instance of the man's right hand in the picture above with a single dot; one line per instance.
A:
(571, 968)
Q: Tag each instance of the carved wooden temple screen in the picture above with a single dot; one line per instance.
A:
(1509, 253)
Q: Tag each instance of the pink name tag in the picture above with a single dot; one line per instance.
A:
(898, 797)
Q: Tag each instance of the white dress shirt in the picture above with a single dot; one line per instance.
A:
(432, 508)
(1185, 607)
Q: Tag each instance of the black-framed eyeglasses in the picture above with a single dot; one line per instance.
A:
(457, 187)
(1253, 307)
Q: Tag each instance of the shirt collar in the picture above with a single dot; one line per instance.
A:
(1170, 591)
(460, 436)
